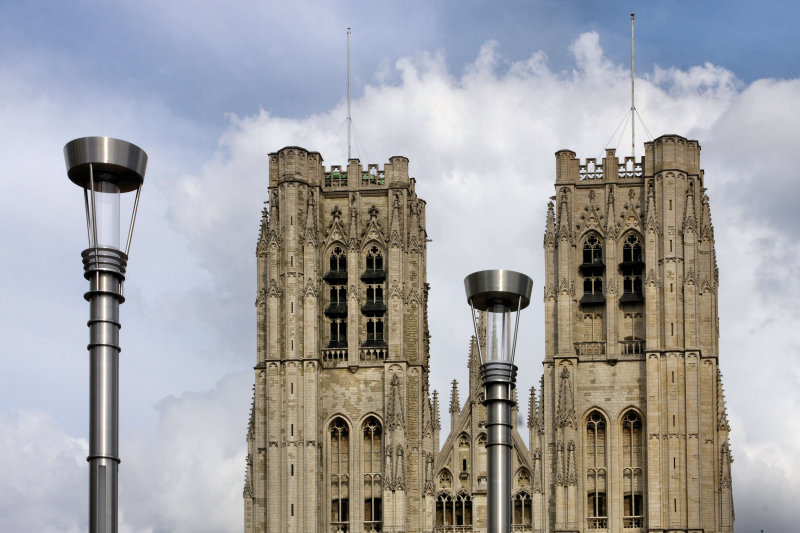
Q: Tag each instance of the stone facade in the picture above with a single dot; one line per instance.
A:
(629, 430)
(342, 431)
(635, 429)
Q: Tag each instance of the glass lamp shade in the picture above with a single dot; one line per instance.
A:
(498, 293)
(499, 344)
(106, 220)
(106, 168)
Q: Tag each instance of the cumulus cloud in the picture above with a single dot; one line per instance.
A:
(45, 478)
(187, 476)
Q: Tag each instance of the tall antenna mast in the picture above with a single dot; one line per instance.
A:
(349, 120)
(633, 105)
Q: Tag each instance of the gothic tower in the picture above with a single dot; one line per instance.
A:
(342, 434)
(635, 431)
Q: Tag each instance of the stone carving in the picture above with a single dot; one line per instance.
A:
(566, 402)
(566, 287)
(309, 237)
(395, 418)
(651, 224)
(630, 215)
(311, 290)
(262, 298)
(564, 231)
(274, 291)
(538, 486)
(399, 469)
(591, 217)
(725, 466)
(612, 225)
(572, 476)
(373, 232)
(429, 485)
(550, 227)
(549, 292)
(561, 480)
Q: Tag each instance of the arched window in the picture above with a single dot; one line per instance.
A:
(372, 467)
(522, 509)
(339, 468)
(592, 269)
(596, 475)
(633, 484)
(338, 260)
(453, 510)
(375, 332)
(632, 249)
(463, 509)
(592, 250)
(632, 284)
(631, 268)
(374, 309)
(444, 510)
(338, 333)
(374, 259)
(336, 310)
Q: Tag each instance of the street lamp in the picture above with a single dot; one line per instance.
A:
(498, 293)
(105, 168)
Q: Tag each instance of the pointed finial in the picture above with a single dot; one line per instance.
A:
(532, 408)
(455, 405)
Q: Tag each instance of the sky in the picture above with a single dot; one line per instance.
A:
(478, 95)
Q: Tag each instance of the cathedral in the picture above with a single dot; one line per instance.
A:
(628, 430)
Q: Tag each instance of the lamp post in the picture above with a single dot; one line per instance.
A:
(498, 293)
(105, 168)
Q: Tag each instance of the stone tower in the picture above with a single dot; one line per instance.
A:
(635, 432)
(342, 431)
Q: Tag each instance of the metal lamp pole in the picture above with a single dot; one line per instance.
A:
(498, 293)
(105, 168)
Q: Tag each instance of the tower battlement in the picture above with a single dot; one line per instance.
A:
(668, 152)
(294, 163)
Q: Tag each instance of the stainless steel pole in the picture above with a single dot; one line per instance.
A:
(498, 380)
(105, 270)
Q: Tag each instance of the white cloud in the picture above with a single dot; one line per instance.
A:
(45, 475)
(188, 475)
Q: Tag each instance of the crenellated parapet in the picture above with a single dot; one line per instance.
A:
(668, 152)
(609, 169)
(293, 163)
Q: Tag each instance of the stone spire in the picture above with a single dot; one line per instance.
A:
(706, 227)
(454, 403)
(564, 226)
(550, 226)
(474, 365)
(532, 408)
(261, 247)
(395, 235)
(689, 216)
(455, 410)
(311, 226)
(651, 220)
